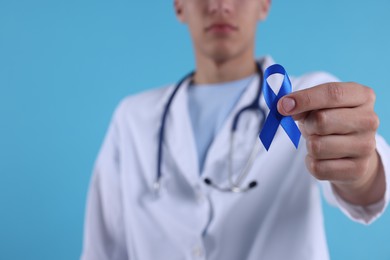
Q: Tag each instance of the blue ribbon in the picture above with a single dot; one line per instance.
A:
(274, 118)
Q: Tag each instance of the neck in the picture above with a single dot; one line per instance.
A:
(211, 71)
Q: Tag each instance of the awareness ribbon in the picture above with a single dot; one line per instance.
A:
(274, 118)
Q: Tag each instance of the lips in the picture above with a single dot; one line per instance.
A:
(221, 28)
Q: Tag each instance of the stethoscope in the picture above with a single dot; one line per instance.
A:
(234, 186)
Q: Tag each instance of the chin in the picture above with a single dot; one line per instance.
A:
(221, 54)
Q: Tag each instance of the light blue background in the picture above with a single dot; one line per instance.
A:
(64, 65)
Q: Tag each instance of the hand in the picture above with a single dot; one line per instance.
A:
(339, 124)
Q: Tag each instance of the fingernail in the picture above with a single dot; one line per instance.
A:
(288, 104)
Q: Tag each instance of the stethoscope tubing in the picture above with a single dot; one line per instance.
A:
(254, 105)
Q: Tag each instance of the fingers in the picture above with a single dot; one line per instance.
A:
(328, 95)
(339, 124)
(340, 146)
(339, 121)
(344, 170)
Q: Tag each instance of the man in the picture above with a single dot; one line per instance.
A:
(184, 218)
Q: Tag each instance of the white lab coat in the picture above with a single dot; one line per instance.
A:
(279, 219)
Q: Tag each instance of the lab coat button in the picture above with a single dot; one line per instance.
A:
(197, 252)
(200, 198)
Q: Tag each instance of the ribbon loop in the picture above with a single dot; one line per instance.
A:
(274, 118)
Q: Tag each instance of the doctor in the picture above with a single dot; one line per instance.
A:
(171, 183)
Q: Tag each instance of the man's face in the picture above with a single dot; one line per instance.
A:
(222, 29)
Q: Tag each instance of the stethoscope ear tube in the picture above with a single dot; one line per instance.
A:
(234, 189)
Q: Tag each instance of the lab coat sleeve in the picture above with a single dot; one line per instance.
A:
(367, 214)
(104, 237)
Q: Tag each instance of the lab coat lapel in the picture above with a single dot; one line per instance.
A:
(180, 143)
